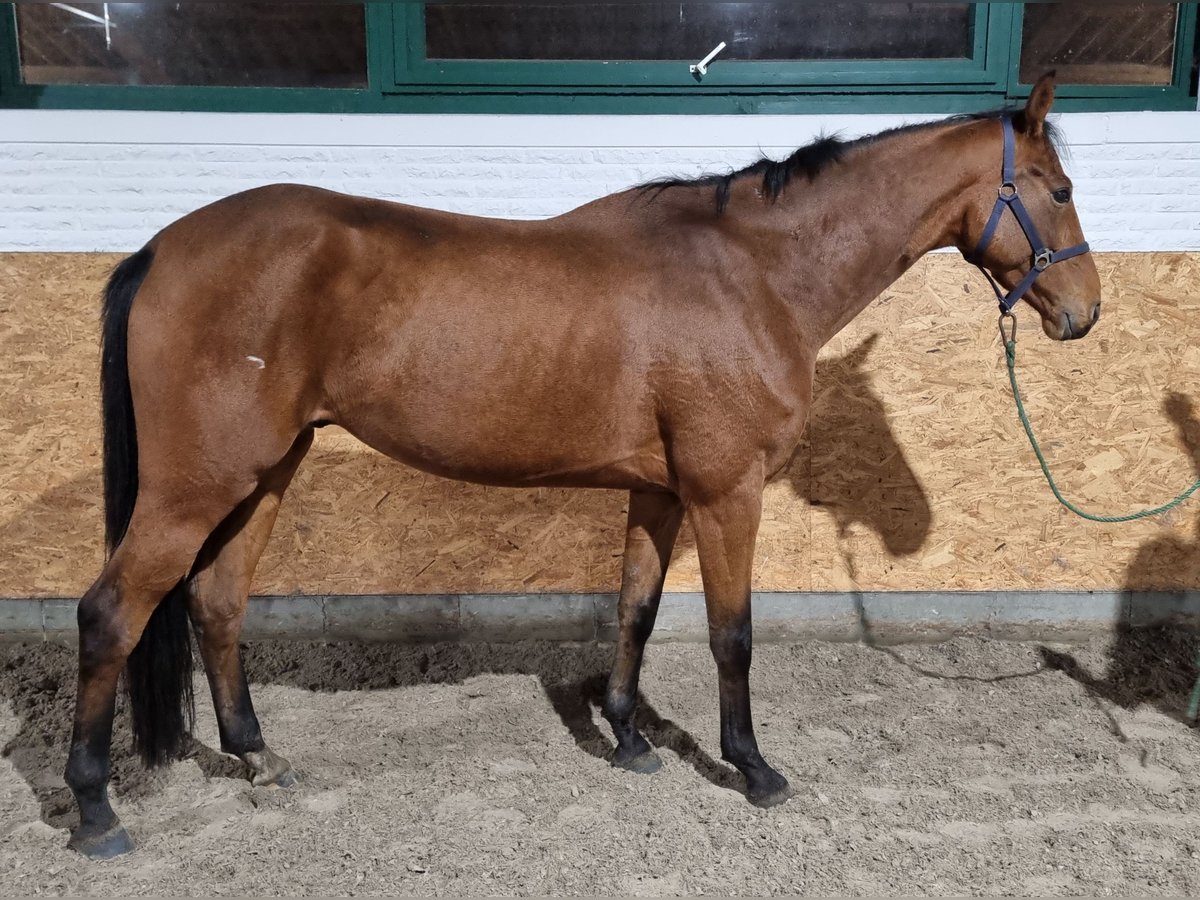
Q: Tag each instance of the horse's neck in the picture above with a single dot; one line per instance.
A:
(866, 220)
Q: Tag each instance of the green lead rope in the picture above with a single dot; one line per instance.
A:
(1010, 350)
(1010, 347)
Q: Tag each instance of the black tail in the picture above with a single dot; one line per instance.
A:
(158, 674)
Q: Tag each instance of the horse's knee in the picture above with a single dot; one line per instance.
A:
(638, 623)
(731, 645)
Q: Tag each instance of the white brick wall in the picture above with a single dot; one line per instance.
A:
(85, 181)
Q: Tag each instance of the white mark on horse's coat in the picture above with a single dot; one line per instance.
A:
(257, 361)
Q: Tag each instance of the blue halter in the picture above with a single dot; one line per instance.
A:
(1043, 256)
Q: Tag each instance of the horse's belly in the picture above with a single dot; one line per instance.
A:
(502, 447)
(534, 391)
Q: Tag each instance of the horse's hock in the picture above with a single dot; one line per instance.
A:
(913, 475)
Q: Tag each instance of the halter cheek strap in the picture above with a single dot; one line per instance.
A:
(1009, 198)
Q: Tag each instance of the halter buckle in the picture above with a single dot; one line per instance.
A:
(1007, 191)
(1042, 259)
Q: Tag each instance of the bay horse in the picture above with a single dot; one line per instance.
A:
(661, 340)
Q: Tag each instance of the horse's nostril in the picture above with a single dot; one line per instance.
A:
(1096, 311)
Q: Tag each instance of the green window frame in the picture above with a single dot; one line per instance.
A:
(983, 66)
(401, 79)
(1177, 95)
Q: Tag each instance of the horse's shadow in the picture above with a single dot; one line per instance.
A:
(572, 676)
(851, 467)
(1153, 656)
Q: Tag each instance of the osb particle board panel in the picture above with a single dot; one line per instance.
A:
(914, 473)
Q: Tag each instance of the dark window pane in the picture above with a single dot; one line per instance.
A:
(687, 31)
(1099, 43)
(237, 44)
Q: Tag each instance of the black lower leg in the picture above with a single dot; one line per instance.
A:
(241, 735)
(99, 833)
(731, 647)
(633, 751)
(101, 656)
(654, 520)
(620, 702)
(236, 722)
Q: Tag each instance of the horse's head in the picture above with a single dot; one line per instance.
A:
(1031, 238)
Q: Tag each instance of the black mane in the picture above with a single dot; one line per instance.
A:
(812, 159)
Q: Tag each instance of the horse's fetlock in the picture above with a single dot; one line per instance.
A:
(86, 774)
(245, 736)
(619, 706)
(742, 753)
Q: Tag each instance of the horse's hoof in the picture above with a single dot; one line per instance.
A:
(772, 793)
(101, 845)
(767, 790)
(284, 779)
(270, 769)
(645, 763)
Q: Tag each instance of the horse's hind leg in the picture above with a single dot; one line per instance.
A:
(157, 551)
(217, 606)
(653, 525)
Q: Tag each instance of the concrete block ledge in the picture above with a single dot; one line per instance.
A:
(779, 617)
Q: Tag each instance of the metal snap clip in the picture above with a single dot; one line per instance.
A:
(1011, 337)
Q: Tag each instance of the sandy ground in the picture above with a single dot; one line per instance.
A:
(964, 767)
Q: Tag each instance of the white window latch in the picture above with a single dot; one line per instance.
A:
(701, 68)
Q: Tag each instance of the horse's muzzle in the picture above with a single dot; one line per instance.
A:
(1075, 327)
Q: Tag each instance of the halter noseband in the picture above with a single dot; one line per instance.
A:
(1043, 256)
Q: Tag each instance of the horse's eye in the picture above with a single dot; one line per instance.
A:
(1062, 196)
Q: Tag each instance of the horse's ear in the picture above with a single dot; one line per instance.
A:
(859, 354)
(1041, 98)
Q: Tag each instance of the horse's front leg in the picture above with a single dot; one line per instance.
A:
(654, 520)
(726, 527)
